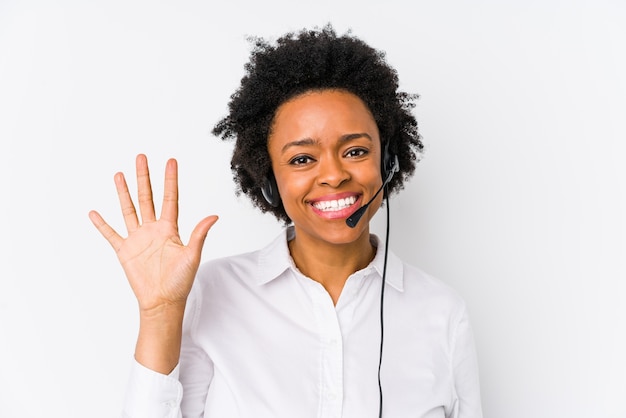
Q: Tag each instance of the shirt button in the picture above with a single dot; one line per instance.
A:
(332, 396)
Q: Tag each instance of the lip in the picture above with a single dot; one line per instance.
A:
(338, 214)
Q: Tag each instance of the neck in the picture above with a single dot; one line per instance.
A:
(331, 264)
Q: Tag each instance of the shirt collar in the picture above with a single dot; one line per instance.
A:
(395, 270)
(275, 259)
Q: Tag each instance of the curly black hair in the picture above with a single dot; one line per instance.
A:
(313, 60)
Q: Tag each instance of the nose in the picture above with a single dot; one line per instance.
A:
(332, 171)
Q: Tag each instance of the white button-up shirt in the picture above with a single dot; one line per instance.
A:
(263, 340)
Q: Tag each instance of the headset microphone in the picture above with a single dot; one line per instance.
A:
(353, 219)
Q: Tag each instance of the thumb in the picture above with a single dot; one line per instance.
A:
(199, 233)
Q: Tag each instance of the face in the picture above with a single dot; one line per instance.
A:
(325, 151)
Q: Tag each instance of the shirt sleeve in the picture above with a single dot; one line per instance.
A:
(152, 395)
(465, 370)
(195, 366)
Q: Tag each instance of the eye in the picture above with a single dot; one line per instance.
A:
(301, 160)
(356, 152)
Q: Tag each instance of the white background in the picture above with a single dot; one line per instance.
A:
(519, 202)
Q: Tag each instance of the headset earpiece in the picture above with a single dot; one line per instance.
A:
(389, 165)
(270, 191)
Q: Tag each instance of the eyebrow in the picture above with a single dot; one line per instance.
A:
(311, 141)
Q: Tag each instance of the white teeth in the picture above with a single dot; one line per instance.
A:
(332, 205)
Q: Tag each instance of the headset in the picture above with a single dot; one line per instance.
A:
(389, 166)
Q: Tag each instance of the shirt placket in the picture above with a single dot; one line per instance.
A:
(331, 356)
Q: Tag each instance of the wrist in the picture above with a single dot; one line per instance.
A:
(160, 335)
(162, 314)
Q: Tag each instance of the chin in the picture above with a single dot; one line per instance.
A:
(336, 232)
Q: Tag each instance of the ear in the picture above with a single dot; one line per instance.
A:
(389, 166)
(270, 191)
(389, 163)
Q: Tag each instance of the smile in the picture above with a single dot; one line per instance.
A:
(335, 205)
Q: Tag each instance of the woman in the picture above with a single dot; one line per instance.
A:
(296, 329)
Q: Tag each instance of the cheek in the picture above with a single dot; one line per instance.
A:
(372, 176)
(293, 189)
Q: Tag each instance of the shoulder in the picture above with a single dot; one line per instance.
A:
(249, 269)
(220, 280)
(416, 279)
(427, 293)
(234, 267)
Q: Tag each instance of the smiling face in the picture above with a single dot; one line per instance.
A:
(325, 151)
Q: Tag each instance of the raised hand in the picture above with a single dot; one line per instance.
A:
(159, 267)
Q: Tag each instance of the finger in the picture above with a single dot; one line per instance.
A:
(169, 211)
(144, 189)
(199, 233)
(107, 232)
(126, 203)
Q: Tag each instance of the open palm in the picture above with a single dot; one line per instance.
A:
(159, 267)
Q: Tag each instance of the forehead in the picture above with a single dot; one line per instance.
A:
(322, 115)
